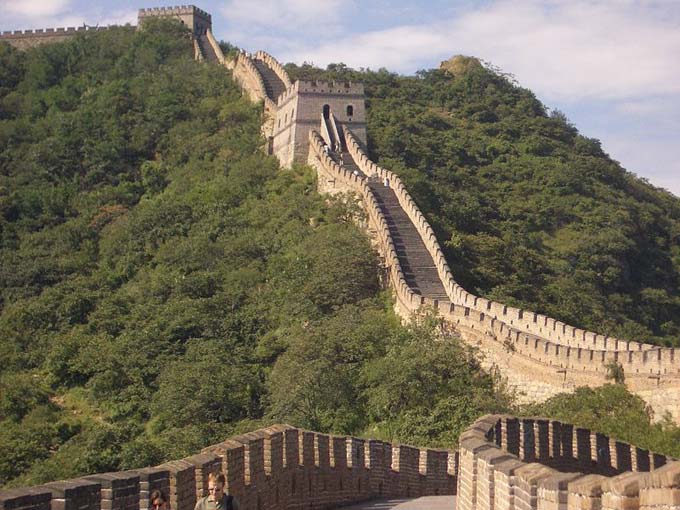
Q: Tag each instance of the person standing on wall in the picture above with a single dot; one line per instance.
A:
(216, 498)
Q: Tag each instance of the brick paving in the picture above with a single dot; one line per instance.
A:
(424, 503)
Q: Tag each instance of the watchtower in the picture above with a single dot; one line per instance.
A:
(301, 109)
(196, 19)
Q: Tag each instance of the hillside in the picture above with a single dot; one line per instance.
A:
(529, 212)
(164, 284)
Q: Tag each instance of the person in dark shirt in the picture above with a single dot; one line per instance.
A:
(158, 501)
(216, 498)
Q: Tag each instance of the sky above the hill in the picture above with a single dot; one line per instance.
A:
(613, 67)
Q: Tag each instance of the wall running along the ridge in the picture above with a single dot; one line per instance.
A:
(535, 366)
(280, 467)
(538, 355)
(25, 39)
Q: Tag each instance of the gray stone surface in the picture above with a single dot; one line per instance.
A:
(424, 503)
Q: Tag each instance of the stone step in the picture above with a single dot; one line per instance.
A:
(207, 49)
(273, 85)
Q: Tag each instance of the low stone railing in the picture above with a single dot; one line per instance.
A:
(279, 467)
(511, 463)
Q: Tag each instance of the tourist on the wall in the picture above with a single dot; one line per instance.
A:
(216, 498)
(158, 501)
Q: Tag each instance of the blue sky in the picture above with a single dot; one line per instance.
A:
(613, 67)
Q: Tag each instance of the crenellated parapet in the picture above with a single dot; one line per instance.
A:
(197, 20)
(533, 463)
(278, 467)
(174, 11)
(25, 39)
(247, 75)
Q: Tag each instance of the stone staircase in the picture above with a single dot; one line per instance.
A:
(207, 49)
(416, 262)
(273, 85)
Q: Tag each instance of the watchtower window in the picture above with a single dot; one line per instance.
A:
(326, 111)
(350, 110)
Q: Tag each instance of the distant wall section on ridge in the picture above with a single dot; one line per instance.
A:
(25, 39)
(197, 20)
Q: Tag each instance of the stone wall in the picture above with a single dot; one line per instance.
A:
(279, 467)
(275, 66)
(536, 366)
(25, 39)
(300, 109)
(528, 463)
(197, 20)
(216, 47)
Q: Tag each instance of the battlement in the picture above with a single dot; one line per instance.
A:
(24, 39)
(523, 463)
(332, 88)
(329, 87)
(278, 467)
(174, 11)
(198, 21)
(40, 32)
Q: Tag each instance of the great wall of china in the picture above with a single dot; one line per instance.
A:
(538, 355)
(503, 462)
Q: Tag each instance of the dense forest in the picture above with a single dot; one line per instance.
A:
(164, 284)
(528, 212)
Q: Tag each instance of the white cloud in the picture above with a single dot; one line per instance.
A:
(562, 49)
(578, 48)
(114, 18)
(288, 15)
(35, 8)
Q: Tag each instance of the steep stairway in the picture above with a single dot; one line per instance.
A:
(207, 49)
(416, 262)
(272, 83)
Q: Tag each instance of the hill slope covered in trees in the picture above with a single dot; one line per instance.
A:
(529, 212)
(164, 284)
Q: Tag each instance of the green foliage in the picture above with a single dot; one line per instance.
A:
(152, 257)
(428, 387)
(529, 212)
(316, 382)
(615, 372)
(361, 371)
(612, 410)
